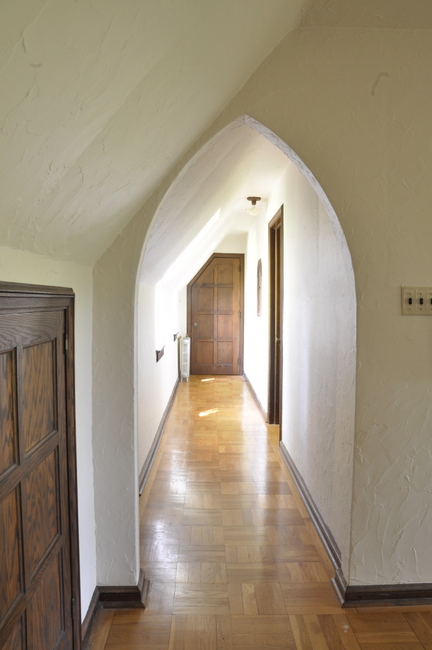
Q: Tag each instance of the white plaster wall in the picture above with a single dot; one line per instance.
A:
(355, 106)
(19, 266)
(318, 354)
(256, 342)
(318, 346)
(157, 324)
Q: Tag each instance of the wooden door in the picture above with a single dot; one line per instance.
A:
(215, 316)
(37, 480)
(275, 329)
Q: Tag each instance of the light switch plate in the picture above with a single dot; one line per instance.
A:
(417, 301)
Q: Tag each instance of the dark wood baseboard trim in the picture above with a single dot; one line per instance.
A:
(358, 595)
(145, 471)
(132, 597)
(87, 624)
(387, 595)
(256, 398)
(322, 529)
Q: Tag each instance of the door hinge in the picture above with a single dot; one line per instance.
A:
(73, 607)
(66, 343)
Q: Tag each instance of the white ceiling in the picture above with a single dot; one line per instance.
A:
(100, 98)
(236, 164)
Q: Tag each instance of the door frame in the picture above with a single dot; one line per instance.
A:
(276, 273)
(15, 297)
(240, 256)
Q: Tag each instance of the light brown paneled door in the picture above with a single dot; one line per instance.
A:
(215, 316)
(37, 586)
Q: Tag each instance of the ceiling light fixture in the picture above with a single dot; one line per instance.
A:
(253, 210)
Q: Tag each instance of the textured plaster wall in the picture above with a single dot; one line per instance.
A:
(157, 324)
(256, 346)
(319, 332)
(318, 346)
(18, 266)
(355, 105)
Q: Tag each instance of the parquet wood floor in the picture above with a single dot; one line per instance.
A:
(227, 544)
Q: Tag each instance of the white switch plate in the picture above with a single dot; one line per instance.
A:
(421, 301)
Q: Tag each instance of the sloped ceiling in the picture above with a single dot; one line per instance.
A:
(389, 14)
(238, 163)
(99, 98)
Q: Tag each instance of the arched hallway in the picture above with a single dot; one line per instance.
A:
(230, 551)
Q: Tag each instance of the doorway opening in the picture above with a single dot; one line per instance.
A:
(275, 240)
(215, 316)
(318, 304)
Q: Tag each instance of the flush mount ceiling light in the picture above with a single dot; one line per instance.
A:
(253, 209)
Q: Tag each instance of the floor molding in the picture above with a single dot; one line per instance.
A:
(324, 533)
(129, 597)
(358, 595)
(145, 471)
(256, 398)
(322, 529)
(390, 595)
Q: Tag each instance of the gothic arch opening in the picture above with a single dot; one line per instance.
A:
(204, 211)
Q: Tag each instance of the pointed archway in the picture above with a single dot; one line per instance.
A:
(319, 314)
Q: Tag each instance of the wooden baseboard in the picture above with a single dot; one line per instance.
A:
(256, 398)
(359, 595)
(132, 597)
(387, 595)
(322, 529)
(145, 471)
(88, 622)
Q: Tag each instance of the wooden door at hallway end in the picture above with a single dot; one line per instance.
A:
(215, 316)
(39, 588)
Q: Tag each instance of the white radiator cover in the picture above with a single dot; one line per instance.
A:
(185, 358)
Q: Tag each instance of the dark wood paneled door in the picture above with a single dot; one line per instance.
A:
(215, 316)
(37, 587)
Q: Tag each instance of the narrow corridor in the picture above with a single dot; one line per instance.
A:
(227, 544)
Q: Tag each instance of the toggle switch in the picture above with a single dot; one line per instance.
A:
(417, 301)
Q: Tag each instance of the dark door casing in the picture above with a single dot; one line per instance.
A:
(275, 324)
(39, 589)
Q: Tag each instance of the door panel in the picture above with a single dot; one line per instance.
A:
(215, 306)
(224, 352)
(35, 554)
(204, 329)
(204, 353)
(205, 299)
(15, 639)
(8, 440)
(41, 496)
(45, 623)
(10, 552)
(224, 326)
(225, 298)
(39, 393)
